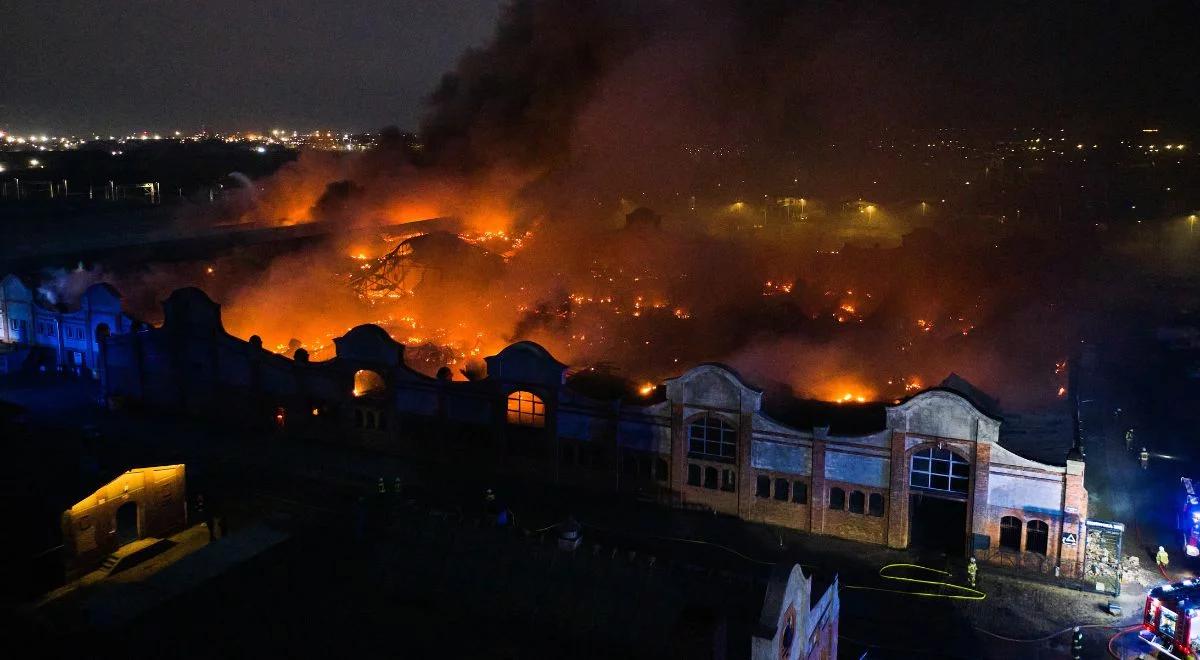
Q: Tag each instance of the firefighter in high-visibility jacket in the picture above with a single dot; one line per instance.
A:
(1144, 457)
(1161, 557)
(972, 571)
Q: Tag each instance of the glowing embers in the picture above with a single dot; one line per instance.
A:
(526, 409)
(777, 288)
(368, 382)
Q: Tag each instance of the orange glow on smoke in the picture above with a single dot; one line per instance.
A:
(846, 390)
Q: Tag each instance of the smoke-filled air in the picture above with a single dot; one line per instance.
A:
(640, 187)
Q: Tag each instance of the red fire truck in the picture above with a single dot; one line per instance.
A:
(1189, 519)
(1171, 620)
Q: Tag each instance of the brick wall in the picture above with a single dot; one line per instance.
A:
(856, 526)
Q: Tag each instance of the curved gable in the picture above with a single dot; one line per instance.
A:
(942, 414)
(714, 386)
(190, 308)
(369, 343)
(14, 289)
(102, 296)
(526, 362)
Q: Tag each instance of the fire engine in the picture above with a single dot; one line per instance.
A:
(1171, 620)
(1189, 519)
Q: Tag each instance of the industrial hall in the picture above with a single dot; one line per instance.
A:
(941, 468)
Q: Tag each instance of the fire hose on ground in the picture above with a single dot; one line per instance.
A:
(963, 593)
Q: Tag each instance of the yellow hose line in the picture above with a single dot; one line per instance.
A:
(964, 593)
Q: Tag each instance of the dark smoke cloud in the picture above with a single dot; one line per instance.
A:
(578, 112)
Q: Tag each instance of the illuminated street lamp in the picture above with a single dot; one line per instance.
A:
(870, 212)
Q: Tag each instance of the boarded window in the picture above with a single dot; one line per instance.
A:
(858, 502)
(837, 499)
(1037, 537)
(763, 486)
(875, 505)
(799, 492)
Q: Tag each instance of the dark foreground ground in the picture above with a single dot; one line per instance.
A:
(419, 573)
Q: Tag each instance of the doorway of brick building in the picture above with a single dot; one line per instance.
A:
(937, 524)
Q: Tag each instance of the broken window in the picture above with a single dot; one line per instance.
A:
(875, 505)
(693, 474)
(1010, 533)
(858, 502)
(799, 492)
(763, 486)
(367, 382)
(782, 490)
(1037, 536)
(837, 499)
(710, 477)
(727, 480)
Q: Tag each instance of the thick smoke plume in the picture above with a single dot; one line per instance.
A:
(707, 112)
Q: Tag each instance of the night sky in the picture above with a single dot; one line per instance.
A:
(81, 65)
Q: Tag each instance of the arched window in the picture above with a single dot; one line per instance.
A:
(858, 502)
(875, 505)
(693, 474)
(367, 382)
(762, 487)
(526, 409)
(837, 498)
(1010, 533)
(782, 490)
(939, 469)
(799, 492)
(1037, 536)
(710, 477)
(711, 438)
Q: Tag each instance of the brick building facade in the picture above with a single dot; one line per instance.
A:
(934, 468)
(140, 503)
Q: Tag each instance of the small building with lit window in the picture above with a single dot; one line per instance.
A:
(942, 468)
